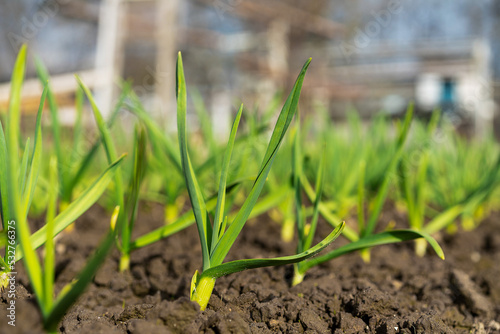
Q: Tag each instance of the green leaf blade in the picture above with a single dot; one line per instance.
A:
(282, 124)
(221, 198)
(49, 266)
(373, 240)
(319, 192)
(240, 265)
(24, 166)
(443, 219)
(4, 179)
(194, 191)
(36, 156)
(136, 177)
(389, 175)
(22, 229)
(76, 208)
(44, 78)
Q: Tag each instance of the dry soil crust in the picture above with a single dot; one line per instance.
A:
(396, 293)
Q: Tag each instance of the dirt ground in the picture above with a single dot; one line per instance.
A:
(397, 292)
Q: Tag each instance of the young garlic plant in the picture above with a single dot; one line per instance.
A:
(217, 238)
(363, 241)
(17, 186)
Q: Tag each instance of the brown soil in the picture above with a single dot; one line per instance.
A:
(396, 293)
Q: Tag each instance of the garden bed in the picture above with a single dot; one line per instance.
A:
(397, 292)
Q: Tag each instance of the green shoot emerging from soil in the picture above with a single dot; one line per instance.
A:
(129, 203)
(365, 239)
(414, 185)
(217, 238)
(17, 192)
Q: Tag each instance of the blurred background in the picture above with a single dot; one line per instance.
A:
(372, 56)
